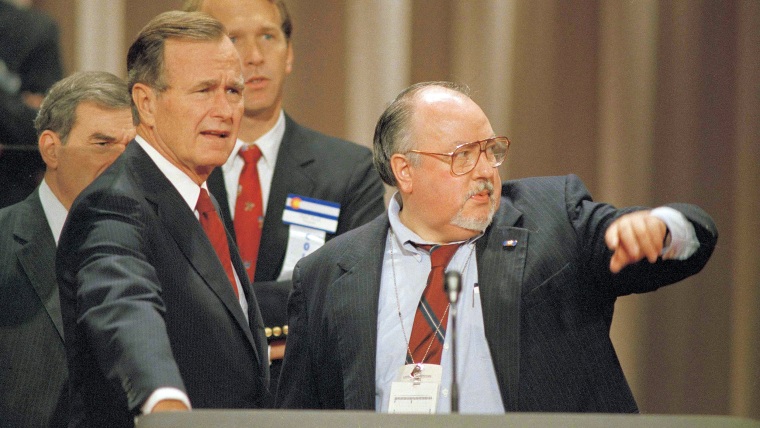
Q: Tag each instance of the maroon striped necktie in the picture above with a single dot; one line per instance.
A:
(429, 329)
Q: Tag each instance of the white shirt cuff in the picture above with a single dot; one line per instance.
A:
(683, 239)
(165, 393)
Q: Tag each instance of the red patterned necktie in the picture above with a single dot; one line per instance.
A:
(249, 214)
(429, 329)
(212, 225)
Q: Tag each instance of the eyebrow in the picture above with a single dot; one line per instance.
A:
(236, 84)
(206, 84)
(101, 136)
(270, 27)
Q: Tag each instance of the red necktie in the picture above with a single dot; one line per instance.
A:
(429, 329)
(212, 225)
(249, 213)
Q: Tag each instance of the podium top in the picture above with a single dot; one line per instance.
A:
(335, 419)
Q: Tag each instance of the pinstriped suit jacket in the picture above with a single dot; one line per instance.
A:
(33, 373)
(547, 304)
(146, 303)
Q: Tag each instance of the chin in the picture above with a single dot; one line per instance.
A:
(473, 222)
(216, 157)
(258, 105)
(478, 224)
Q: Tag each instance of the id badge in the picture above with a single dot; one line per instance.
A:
(310, 221)
(311, 213)
(415, 389)
(302, 241)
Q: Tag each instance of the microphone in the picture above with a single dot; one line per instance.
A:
(452, 285)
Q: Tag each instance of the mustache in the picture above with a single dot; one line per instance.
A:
(481, 186)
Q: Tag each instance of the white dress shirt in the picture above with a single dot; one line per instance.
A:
(55, 212)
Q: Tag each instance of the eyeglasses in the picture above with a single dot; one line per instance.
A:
(465, 157)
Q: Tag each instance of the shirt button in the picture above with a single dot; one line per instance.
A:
(446, 347)
(445, 392)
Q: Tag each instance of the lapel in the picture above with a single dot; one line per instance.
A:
(352, 301)
(500, 277)
(291, 175)
(37, 257)
(182, 225)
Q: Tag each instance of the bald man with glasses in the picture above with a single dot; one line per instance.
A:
(541, 266)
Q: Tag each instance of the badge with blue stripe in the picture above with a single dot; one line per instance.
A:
(312, 213)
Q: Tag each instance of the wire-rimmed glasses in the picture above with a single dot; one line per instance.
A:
(465, 156)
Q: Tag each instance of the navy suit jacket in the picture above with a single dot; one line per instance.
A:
(547, 304)
(33, 372)
(147, 304)
(317, 166)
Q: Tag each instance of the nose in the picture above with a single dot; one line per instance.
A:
(483, 168)
(223, 106)
(251, 53)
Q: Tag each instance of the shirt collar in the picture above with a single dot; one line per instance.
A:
(404, 236)
(186, 187)
(55, 212)
(269, 144)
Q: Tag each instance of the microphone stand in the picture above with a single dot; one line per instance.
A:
(452, 286)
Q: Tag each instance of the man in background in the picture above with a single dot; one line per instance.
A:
(541, 267)
(157, 310)
(29, 65)
(299, 188)
(83, 125)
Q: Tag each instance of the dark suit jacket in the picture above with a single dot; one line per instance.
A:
(314, 165)
(147, 304)
(547, 305)
(33, 373)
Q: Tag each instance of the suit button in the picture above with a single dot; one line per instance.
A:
(268, 332)
(285, 330)
(277, 331)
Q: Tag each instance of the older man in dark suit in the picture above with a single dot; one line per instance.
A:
(158, 312)
(83, 125)
(541, 264)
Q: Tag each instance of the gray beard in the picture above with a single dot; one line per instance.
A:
(476, 223)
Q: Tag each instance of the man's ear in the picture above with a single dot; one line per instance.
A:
(144, 98)
(48, 144)
(289, 59)
(403, 171)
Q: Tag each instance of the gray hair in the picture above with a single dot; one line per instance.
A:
(145, 59)
(58, 110)
(392, 133)
(286, 24)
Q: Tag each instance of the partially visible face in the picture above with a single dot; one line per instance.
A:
(446, 207)
(196, 119)
(266, 55)
(98, 136)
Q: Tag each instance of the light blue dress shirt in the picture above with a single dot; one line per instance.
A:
(478, 387)
(404, 276)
